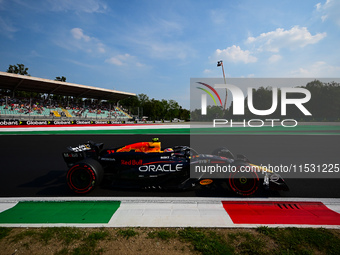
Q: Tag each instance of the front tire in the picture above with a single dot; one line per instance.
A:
(84, 176)
(244, 183)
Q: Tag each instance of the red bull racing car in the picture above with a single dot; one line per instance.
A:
(146, 165)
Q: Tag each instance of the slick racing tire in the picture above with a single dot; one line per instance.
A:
(84, 176)
(244, 183)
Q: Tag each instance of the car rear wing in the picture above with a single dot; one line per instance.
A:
(90, 145)
(77, 153)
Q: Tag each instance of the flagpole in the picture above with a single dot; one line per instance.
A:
(220, 63)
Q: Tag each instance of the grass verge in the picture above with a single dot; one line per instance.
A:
(262, 240)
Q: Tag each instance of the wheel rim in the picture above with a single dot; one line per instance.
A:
(244, 184)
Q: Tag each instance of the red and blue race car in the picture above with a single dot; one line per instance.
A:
(146, 165)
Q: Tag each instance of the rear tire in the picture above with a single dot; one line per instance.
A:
(84, 176)
(244, 183)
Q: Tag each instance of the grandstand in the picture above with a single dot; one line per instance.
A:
(12, 107)
(62, 113)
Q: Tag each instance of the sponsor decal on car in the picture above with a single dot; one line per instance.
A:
(161, 168)
(72, 155)
(81, 147)
(206, 182)
(132, 162)
(108, 159)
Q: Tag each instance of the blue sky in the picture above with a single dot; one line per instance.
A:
(155, 47)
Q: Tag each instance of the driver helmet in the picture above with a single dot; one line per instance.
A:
(168, 150)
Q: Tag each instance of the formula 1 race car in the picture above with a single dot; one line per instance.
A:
(145, 165)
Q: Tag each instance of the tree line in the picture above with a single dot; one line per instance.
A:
(141, 105)
(324, 105)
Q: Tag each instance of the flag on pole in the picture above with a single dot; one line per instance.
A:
(219, 63)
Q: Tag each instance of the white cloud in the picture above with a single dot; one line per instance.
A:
(83, 42)
(317, 69)
(235, 54)
(76, 39)
(88, 6)
(318, 6)
(115, 60)
(329, 10)
(294, 38)
(274, 58)
(122, 60)
(78, 33)
(101, 47)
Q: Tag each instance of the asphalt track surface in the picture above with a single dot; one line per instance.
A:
(32, 166)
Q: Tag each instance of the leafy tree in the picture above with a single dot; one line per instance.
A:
(173, 110)
(184, 114)
(62, 78)
(143, 99)
(18, 69)
(153, 108)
